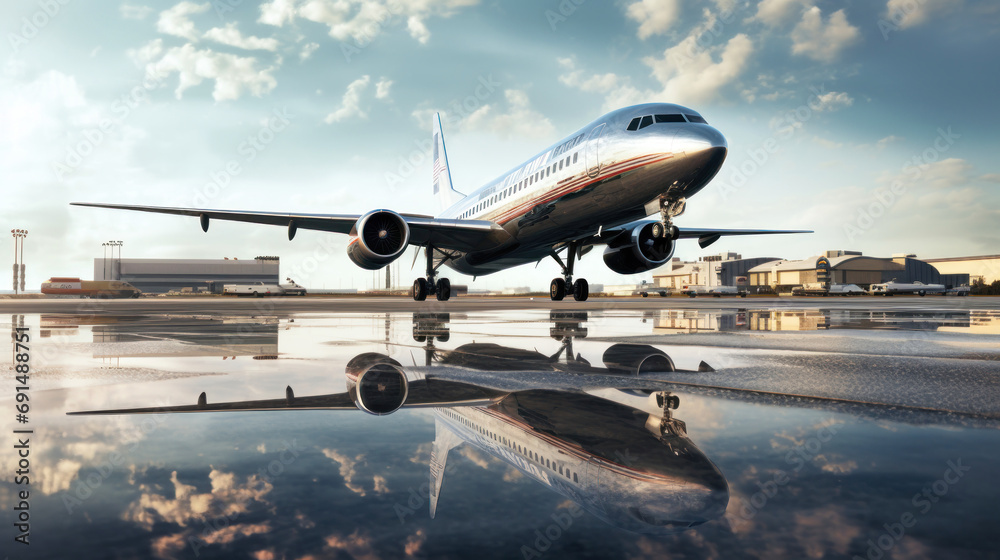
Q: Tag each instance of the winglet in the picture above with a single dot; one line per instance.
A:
(443, 188)
(444, 441)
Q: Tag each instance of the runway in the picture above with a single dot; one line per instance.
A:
(357, 304)
(796, 421)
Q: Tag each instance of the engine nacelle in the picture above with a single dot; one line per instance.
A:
(376, 383)
(379, 238)
(639, 250)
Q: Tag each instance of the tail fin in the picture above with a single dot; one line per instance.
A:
(443, 189)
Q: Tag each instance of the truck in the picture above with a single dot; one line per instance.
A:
(103, 289)
(892, 288)
(256, 289)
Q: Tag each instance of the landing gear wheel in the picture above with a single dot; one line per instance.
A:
(645, 294)
(419, 291)
(443, 291)
(557, 289)
(581, 290)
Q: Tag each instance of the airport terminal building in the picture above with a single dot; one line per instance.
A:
(849, 267)
(158, 276)
(709, 271)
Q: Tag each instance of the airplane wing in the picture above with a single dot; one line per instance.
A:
(705, 236)
(459, 235)
(421, 393)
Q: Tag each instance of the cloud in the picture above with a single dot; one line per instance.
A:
(231, 36)
(233, 74)
(363, 21)
(688, 72)
(415, 542)
(655, 17)
(350, 104)
(277, 12)
(911, 13)
(382, 88)
(307, 50)
(823, 42)
(134, 12)
(174, 21)
(518, 119)
(778, 12)
(831, 101)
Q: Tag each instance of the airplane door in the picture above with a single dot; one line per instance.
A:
(593, 150)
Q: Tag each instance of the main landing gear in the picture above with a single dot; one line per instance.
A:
(423, 287)
(560, 286)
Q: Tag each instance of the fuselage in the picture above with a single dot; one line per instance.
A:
(600, 455)
(601, 176)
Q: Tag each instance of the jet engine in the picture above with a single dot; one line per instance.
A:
(378, 238)
(639, 250)
(376, 383)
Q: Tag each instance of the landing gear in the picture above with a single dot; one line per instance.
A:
(670, 208)
(423, 287)
(559, 287)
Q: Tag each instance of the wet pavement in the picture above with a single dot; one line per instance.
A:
(720, 430)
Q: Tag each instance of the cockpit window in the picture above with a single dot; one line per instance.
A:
(669, 118)
(646, 121)
(634, 125)
(639, 123)
(696, 118)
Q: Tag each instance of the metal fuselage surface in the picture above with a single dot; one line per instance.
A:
(601, 176)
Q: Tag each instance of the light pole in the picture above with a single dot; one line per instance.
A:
(18, 235)
(104, 263)
(114, 244)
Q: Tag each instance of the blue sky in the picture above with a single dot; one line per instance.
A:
(871, 122)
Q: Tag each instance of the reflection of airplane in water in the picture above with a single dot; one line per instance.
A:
(617, 452)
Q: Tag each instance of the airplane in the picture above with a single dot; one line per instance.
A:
(619, 453)
(596, 186)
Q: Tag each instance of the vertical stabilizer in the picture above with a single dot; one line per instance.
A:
(444, 441)
(443, 189)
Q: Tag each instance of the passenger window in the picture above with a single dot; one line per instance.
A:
(646, 121)
(560, 164)
(669, 118)
(634, 125)
(576, 155)
(696, 119)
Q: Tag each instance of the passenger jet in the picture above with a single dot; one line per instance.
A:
(597, 186)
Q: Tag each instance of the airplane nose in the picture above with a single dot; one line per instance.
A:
(699, 138)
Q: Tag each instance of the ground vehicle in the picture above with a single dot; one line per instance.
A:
(958, 291)
(257, 289)
(819, 289)
(893, 288)
(644, 289)
(719, 291)
(89, 288)
(292, 289)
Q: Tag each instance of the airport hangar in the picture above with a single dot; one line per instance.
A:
(780, 276)
(159, 276)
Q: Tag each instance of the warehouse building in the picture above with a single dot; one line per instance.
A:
(985, 268)
(158, 276)
(709, 271)
(849, 267)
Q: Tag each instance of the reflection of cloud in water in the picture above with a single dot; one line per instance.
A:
(357, 545)
(475, 457)
(348, 469)
(228, 497)
(415, 542)
(58, 478)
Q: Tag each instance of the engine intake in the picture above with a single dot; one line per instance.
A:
(379, 237)
(376, 383)
(639, 250)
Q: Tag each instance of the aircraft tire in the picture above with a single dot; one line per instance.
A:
(581, 290)
(419, 291)
(443, 291)
(557, 289)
